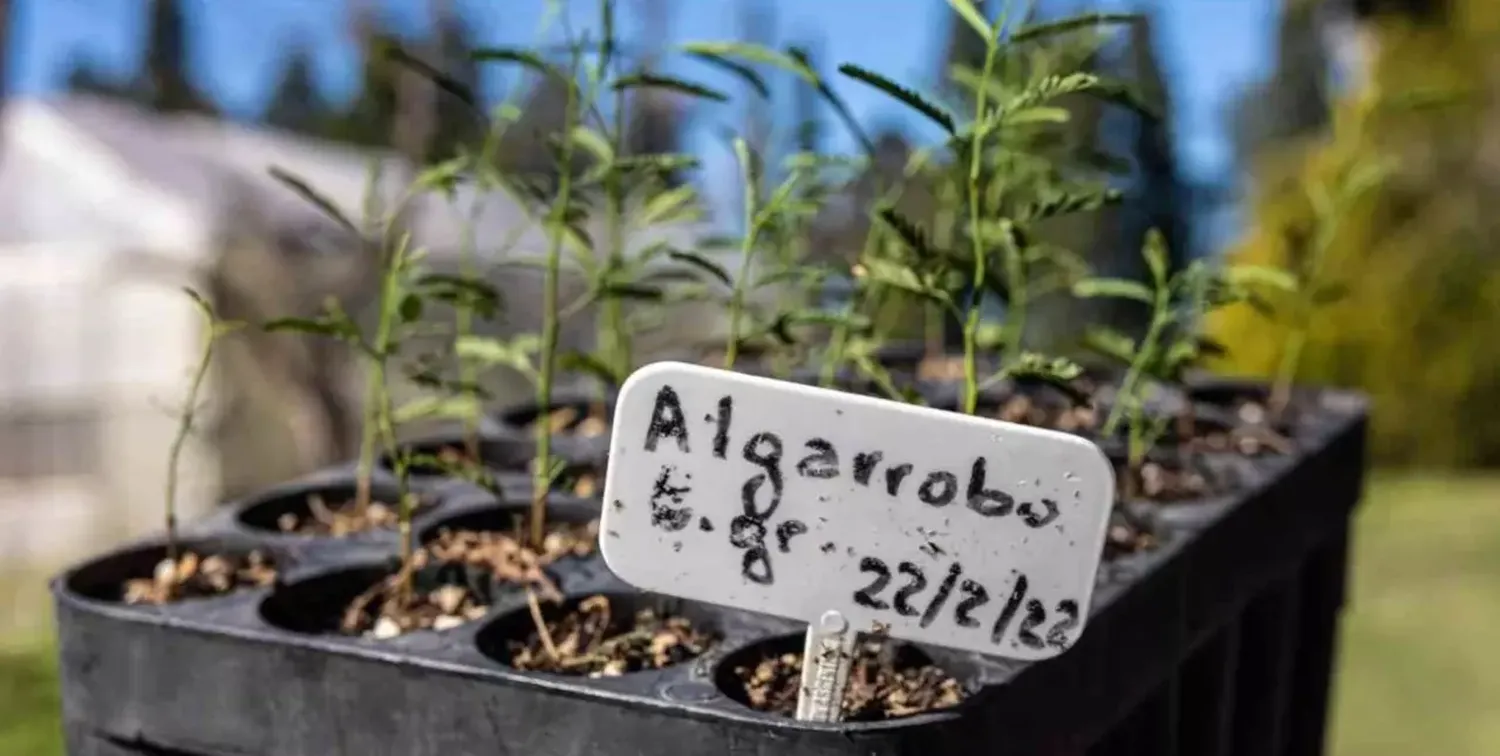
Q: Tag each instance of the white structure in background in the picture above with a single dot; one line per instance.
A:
(106, 211)
(89, 350)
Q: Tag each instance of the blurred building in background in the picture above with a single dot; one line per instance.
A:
(108, 209)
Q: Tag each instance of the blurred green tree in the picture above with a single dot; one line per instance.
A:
(1416, 254)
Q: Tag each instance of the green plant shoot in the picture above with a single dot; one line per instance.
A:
(1330, 203)
(1173, 340)
(214, 329)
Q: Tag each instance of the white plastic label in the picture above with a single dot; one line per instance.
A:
(791, 500)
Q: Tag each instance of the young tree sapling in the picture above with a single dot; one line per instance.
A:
(1173, 339)
(404, 288)
(1330, 203)
(185, 574)
(996, 215)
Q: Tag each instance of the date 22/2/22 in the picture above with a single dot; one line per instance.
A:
(1033, 630)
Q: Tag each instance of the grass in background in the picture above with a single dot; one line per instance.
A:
(29, 707)
(1420, 665)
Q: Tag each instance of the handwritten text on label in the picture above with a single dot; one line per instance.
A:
(824, 500)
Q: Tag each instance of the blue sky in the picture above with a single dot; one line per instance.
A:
(1210, 48)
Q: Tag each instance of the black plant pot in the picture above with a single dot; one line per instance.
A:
(1224, 635)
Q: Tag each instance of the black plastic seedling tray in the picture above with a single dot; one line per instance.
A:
(1218, 642)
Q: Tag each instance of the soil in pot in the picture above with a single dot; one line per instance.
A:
(1245, 430)
(439, 600)
(1127, 536)
(200, 575)
(598, 636)
(1165, 482)
(947, 367)
(462, 569)
(508, 557)
(1043, 407)
(582, 480)
(887, 680)
(344, 518)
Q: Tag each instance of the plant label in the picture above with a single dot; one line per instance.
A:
(926, 525)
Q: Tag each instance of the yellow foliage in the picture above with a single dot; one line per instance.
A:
(1420, 327)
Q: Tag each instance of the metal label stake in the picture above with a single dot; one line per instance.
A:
(827, 656)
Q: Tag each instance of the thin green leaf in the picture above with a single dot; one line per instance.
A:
(467, 291)
(1052, 87)
(1035, 115)
(316, 326)
(897, 276)
(908, 232)
(1067, 203)
(594, 143)
(905, 96)
(438, 408)
(1155, 252)
(1036, 32)
(1110, 343)
(444, 176)
(1039, 366)
(629, 290)
(1117, 288)
(669, 83)
(781, 327)
(1261, 276)
(306, 192)
(513, 55)
(201, 303)
(1180, 355)
(669, 206)
(749, 162)
(976, 21)
(1057, 372)
(744, 72)
(702, 263)
(484, 350)
(755, 54)
(660, 164)
(588, 364)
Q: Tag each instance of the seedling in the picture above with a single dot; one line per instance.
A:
(214, 329)
(1173, 340)
(997, 216)
(404, 289)
(788, 204)
(616, 277)
(1330, 202)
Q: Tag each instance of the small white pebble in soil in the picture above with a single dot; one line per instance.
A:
(165, 573)
(1253, 414)
(448, 598)
(447, 622)
(385, 629)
